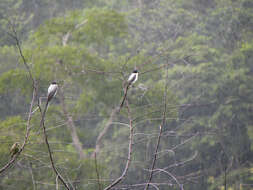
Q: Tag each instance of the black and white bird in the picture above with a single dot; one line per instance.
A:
(52, 91)
(131, 80)
(133, 77)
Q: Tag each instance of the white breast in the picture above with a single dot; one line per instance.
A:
(133, 78)
(52, 89)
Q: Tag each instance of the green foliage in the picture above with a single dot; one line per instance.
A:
(12, 130)
(103, 23)
(90, 48)
(15, 80)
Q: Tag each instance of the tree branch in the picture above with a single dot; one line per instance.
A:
(101, 135)
(160, 131)
(70, 123)
(129, 150)
(97, 172)
(49, 150)
(34, 95)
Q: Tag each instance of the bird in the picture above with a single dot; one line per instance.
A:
(52, 91)
(14, 149)
(131, 80)
(133, 77)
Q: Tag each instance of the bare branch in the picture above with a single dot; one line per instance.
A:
(31, 172)
(28, 127)
(160, 132)
(56, 183)
(97, 172)
(101, 135)
(124, 98)
(129, 157)
(77, 143)
(49, 150)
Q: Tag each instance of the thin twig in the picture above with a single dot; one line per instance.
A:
(124, 98)
(28, 127)
(129, 157)
(31, 172)
(172, 176)
(49, 150)
(102, 134)
(56, 182)
(160, 132)
(14, 35)
(97, 172)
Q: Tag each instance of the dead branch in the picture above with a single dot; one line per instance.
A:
(32, 175)
(48, 147)
(77, 143)
(101, 135)
(97, 172)
(28, 127)
(160, 132)
(129, 157)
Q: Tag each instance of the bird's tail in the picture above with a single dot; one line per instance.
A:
(124, 98)
(43, 117)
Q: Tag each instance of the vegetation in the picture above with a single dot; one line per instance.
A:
(187, 122)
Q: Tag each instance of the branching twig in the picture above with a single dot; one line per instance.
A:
(160, 132)
(48, 147)
(14, 35)
(76, 142)
(100, 136)
(28, 127)
(172, 176)
(129, 150)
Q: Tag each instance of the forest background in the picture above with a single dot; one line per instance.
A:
(187, 122)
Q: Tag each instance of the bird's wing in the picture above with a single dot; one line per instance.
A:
(131, 78)
(52, 90)
(13, 146)
(136, 78)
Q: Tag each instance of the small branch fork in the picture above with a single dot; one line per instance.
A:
(129, 157)
(160, 132)
(35, 93)
(49, 150)
(28, 127)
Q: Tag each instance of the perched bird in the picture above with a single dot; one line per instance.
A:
(14, 149)
(133, 77)
(131, 80)
(52, 91)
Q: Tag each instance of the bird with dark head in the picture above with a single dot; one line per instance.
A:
(133, 77)
(131, 80)
(52, 90)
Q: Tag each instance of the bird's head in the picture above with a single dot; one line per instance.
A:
(17, 144)
(53, 82)
(135, 71)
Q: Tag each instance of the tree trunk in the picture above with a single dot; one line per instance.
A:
(70, 123)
